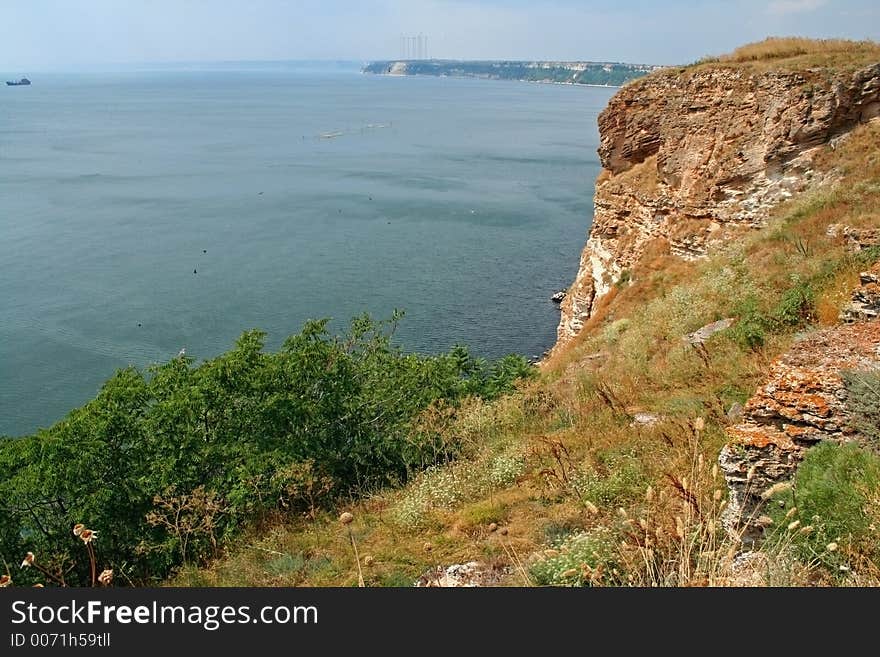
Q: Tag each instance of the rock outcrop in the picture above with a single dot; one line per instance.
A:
(464, 575)
(802, 402)
(690, 153)
(865, 303)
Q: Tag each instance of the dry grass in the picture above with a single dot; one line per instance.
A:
(836, 295)
(774, 48)
(641, 178)
(575, 490)
(800, 53)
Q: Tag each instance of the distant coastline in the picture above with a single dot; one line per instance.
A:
(593, 74)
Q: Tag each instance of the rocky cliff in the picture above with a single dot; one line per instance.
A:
(689, 154)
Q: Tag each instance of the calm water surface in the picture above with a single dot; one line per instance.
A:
(293, 194)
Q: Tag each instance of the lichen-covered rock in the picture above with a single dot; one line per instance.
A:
(689, 155)
(856, 238)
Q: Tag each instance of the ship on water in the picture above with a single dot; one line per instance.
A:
(18, 83)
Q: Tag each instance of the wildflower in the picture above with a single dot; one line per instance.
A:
(38, 586)
(831, 547)
(649, 494)
(571, 572)
(346, 518)
(714, 471)
(78, 529)
(717, 495)
(368, 560)
(764, 521)
(28, 560)
(5, 580)
(622, 512)
(591, 508)
(806, 531)
(793, 525)
(699, 424)
(106, 577)
(791, 512)
(88, 535)
(551, 553)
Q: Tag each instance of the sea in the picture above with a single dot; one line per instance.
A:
(145, 211)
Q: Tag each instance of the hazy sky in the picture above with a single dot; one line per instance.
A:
(61, 34)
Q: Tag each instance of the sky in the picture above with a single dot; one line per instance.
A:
(39, 35)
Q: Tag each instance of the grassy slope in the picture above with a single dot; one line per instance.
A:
(563, 456)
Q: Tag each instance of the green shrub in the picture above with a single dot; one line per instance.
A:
(796, 306)
(750, 330)
(836, 493)
(169, 463)
(863, 402)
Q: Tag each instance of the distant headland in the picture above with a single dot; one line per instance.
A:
(605, 74)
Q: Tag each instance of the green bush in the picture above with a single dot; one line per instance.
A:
(863, 402)
(796, 306)
(750, 331)
(836, 492)
(169, 463)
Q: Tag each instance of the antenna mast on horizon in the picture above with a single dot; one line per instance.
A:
(413, 46)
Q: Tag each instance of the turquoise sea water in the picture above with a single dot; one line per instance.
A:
(293, 194)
